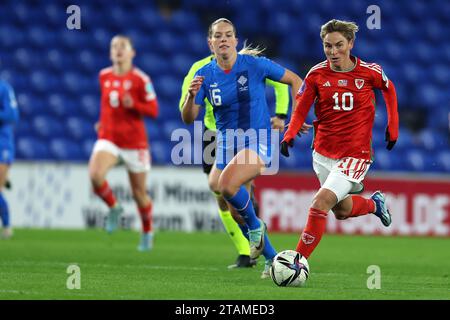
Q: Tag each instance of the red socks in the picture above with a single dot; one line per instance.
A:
(146, 218)
(361, 206)
(317, 222)
(314, 229)
(106, 194)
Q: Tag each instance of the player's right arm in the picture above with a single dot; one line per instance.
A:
(194, 99)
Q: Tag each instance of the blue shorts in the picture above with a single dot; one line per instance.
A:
(7, 154)
(228, 146)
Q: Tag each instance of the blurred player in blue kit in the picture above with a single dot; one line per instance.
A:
(9, 116)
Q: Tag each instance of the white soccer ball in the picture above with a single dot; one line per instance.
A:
(289, 269)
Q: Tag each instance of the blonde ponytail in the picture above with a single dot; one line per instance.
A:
(251, 51)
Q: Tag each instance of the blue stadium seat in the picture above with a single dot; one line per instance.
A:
(32, 148)
(25, 59)
(440, 74)
(102, 39)
(431, 139)
(39, 37)
(90, 106)
(406, 139)
(168, 86)
(23, 128)
(80, 129)
(30, 106)
(10, 36)
(380, 120)
(54, 16)
(160, 152)
(42, 82)
(47, 127)
(181, 63)
(65, 149)
(196, 45)
(180, 19)
(443, 160)
(87, 147)
(418, 160)
(388, 160)
(153, 64)
(57, 61)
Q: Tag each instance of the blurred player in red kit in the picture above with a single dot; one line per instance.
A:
(127, 95)
(342, 89)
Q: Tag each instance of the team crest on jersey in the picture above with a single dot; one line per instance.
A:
(242, 80)
(127, 84)
(342, 83)
(116, 83)
(359, 83)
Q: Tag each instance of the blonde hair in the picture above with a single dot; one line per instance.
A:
(347, 28)
(250, 50)
(246, 49)
(219, 21)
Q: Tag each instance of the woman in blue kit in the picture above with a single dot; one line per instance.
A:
(9, 115)
(235, 86)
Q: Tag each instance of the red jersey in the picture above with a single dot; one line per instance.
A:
(344, 107)
(124, 126)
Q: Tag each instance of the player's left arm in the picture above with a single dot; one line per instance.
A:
(390, 98)
(146, 103)
(9, 112)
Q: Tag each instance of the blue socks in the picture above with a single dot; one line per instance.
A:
(243, 204)
(4, 212)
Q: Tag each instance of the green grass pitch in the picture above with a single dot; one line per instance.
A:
(193, 266)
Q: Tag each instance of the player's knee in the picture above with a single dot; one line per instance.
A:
(213, 185)
(340, 214)
(226, 187)
(96, 176)
(140, 196)
(320, 204)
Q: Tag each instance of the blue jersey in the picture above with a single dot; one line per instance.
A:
(239, 102)
(239, 97)
(9, 116)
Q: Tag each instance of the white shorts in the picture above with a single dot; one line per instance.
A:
(136, 160)
(342, 176)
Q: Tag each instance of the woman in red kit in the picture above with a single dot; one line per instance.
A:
(342, 89)
(127, 95)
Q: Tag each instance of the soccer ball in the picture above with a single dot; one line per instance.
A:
(289, 269)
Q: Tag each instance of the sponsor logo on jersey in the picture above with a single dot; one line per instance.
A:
(342, 83)
(326, 84)
(359, 83)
